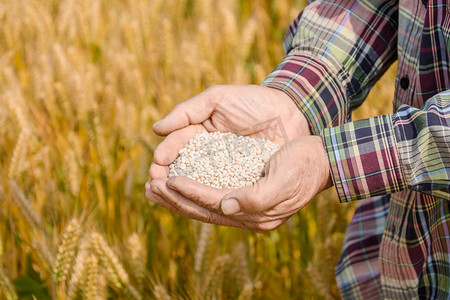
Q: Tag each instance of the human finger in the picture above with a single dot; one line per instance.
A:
(186, 208)
(168, 150)
(193, 111)
(254, 199)
(251, 222)
(210, 198)
(157, 171)
(202, 194)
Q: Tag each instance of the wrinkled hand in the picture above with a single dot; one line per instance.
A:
(294, 175)
(243, 109)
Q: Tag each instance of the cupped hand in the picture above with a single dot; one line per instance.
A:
(243, 109)
(293, 176)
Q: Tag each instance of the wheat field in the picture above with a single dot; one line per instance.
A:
(81, 83)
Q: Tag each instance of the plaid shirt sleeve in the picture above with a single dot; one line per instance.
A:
(336, 50)
(382, 155)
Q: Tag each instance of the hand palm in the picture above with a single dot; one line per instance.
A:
(246, 110)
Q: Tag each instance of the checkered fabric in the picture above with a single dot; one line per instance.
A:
(397, 245)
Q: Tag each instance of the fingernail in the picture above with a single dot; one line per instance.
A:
(156, 124)
(147, 185)
(230, 207)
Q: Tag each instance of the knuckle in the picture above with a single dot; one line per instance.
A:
(152, 172)
(267, 226)
(212, 89)
(178, 107)
(208, 218)
(255, 203)
(176, 205)
(259, 228)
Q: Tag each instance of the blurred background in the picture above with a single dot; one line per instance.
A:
(81, 83)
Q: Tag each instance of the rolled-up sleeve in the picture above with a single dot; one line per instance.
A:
(336, 50)
(409, 149)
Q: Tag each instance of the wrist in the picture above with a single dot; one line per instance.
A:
(324, 165)
(293, 119)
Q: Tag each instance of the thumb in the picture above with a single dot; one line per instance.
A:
(256, 198)
(193, 111)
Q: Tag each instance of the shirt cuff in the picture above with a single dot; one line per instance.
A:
(364, 158)
(314, 88)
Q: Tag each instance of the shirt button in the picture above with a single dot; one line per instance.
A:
(404, 83)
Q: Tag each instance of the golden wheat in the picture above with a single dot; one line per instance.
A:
(161, 293)
(110, 261)
(6, 288)
(78, 272)
(247, 292)
(137, 257)
(213, 279)
(92, 277)
(67, 250)
(204, 243)
(24, 205)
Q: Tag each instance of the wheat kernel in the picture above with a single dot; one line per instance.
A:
(223, 160)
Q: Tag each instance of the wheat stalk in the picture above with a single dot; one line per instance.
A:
(137, 261)
(247, 292)
(17, 160)
(24, 205)
(129, 181)
(205, 241)
(6, 288)
(40, 245)
(241, 263)
(248, 37)
(73, 172)
(160, 293)
(110, 261)
(214, 277)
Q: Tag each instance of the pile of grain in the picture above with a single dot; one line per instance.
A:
(223, 160)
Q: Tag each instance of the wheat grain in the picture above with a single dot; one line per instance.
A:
(223, 160)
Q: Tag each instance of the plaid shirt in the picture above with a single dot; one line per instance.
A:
(397, 245)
